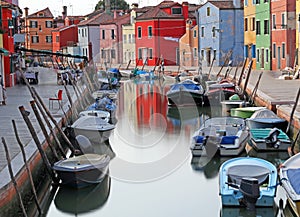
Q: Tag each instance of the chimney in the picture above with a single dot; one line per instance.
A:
(107, 6)
(134, 5)
(26, 11)
(65, 12)
(185, 10)
(237, 3)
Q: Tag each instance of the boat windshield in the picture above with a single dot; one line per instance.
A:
(221, 121)
(264, 113)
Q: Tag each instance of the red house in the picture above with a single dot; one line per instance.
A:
(64, 37)
(283, 26)
(158, 32)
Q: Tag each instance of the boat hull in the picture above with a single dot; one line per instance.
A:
(94, 135)
(181, 98)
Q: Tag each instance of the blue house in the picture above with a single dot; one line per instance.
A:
(221, 30)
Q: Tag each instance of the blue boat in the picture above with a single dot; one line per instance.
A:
(186, 92)
(247, 181)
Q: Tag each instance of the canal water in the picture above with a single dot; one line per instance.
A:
(152, 172)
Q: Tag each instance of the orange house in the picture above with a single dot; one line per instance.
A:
(38, 27)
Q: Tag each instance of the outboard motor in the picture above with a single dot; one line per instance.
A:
(272, 138)
(250, 189)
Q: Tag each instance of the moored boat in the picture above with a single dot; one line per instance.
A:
(104, 115)
(82, 170)
(290, 178)
(226, 136)
(244, 112)
(247, 181)
(187, 92)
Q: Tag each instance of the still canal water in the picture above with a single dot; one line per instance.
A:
(152, 172)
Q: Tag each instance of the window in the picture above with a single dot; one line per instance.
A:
(257, 27)
(215, 55)
(195, 33)
(257, 55)
(113, 53)
(34, 39)
(113, 34)
(266, 27)
(41, 14)
(176, 11)
(102, 53)
(79, 31)
(283, 24)
(33, 24)
(139, 32)
(273, 21)
(140, 53)
(202, 53)
(283, 50)
(150, 53)
(83, 52)
(274, 51)
(266, 1)
(103, 34)
(253, 24)
(48, 24)
(133, 38)
(48, 39)
(85, 32)
(267, 55)
(195, 53)
(257, 2)
(149, 31)
(246, 2)
(214, 32)
(129, 38)
(202, 31)
(82, 33)
(246, 24)
(57, 38)
(124, 39)
(208, 11)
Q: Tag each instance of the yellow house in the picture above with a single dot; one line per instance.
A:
(129, 40)
(297, 31)
(250, 31)
(188, 45)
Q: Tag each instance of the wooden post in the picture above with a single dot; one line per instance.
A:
(225, 62)
(128, 64)
(247, 77)
(37, 142)
(211, 65)
(55, 123)
(50, 127)
(12, 177)
(27, 167)
(39, 119)
(252, 97)
(293, 110)
(235, 72)
(242, 72)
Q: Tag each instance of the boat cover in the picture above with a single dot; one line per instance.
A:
(187, 84)
(262, 133)
(225, 121)
(294, 178)
(237, 172)
(265, 113)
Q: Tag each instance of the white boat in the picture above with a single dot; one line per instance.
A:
(126, 73)
(82, 170)
(95, 129)
(247, 181)
(104, 115)
(224, 135)
(290, 178)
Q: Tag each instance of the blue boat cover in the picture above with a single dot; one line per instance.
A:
(228, 139)
(199, 139)
(294, 178)
(115, 70)
(185, 86)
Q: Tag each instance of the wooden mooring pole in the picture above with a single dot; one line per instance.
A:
(293, 110)
(25, 115)
(27, 167)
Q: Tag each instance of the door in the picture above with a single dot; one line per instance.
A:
(208, 53)
(144, 54)
(279, 58)
(262, 58)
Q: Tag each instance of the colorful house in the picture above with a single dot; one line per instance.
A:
(38, 27)
(221, 31)
(188, 45)
(111, 38)
(89, 36)
(129, 34)
(283, 34)
(158, 32)
(249, 31)
(263, 35)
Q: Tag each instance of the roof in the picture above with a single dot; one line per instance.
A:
(117, 20)
(47, 14)
(61, 28)
(96, 20)
(223, 4)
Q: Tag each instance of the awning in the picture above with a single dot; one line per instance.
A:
(4, 51)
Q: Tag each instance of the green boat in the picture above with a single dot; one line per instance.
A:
(244, 112)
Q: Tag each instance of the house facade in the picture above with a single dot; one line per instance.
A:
(249, 31)
(221, 31)
(111, 43)
(283, 33)
(188, 45)
(89, 36)
(158, 32)
(38, 27)
(263, 35)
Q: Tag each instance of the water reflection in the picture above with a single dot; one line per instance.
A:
(77, 201)
(244, 212)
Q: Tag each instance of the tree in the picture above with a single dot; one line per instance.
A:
(114, 4)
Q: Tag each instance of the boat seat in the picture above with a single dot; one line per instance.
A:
(209, 131)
